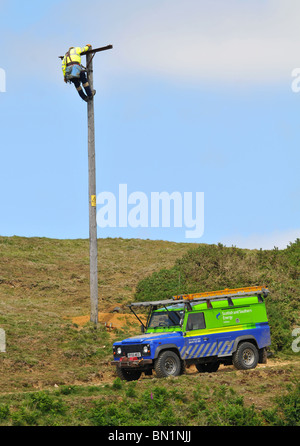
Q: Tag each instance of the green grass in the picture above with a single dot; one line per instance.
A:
(175, 402)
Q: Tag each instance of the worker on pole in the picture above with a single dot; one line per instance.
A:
(75, 73)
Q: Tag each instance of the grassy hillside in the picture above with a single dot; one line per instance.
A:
(215, 267)
(55, 372)
(57, 271)
(44, 282)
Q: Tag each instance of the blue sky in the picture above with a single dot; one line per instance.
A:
(195, 97)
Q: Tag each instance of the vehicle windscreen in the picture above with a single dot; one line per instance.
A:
(165, 319)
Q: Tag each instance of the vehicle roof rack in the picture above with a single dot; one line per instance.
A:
(234, 292)
(207, 296)
(155, 303)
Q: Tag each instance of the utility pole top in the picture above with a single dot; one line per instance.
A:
(96, 50)
(93, 50)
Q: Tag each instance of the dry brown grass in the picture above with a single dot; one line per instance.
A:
(44, 283)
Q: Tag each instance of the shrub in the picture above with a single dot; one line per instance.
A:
(213, 267)
(287, 412)
(4, 411)
(46, 403)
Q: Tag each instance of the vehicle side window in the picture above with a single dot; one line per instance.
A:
(195, 321)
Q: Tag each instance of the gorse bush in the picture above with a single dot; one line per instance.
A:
(108, 414)
(38, 407)
(287, 410)
(47, 403)
(229, 410)
(215, 267)
(4, 411)
(148, 408)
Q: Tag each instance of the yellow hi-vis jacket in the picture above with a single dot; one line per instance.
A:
(73, 56)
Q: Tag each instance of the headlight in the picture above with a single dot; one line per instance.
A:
(119, 351)
(146, 349)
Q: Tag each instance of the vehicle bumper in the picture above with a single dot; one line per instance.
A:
(132, 363)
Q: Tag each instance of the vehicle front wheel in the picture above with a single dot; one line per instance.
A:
(128, 375)
(168, 364)
(245, 357)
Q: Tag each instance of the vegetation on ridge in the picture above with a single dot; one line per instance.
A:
(215, 267)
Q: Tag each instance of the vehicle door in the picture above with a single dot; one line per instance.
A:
(197, 344)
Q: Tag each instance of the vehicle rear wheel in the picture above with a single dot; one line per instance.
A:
(263, 356)
(128, 375)
(245, 357)
(168, 364)
(209, 367)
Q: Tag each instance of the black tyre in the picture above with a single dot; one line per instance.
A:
(209, 367)
(263, 356)
(245, 357)
(128, 375)
(168, 364)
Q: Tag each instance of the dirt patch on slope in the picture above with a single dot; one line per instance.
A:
(112, 320)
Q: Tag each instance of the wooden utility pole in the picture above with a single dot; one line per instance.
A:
(92, 198)
(92, 187)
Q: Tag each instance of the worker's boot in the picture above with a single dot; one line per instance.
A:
(87, 89)
(84, 97)
(93, 94)
(81, 94)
